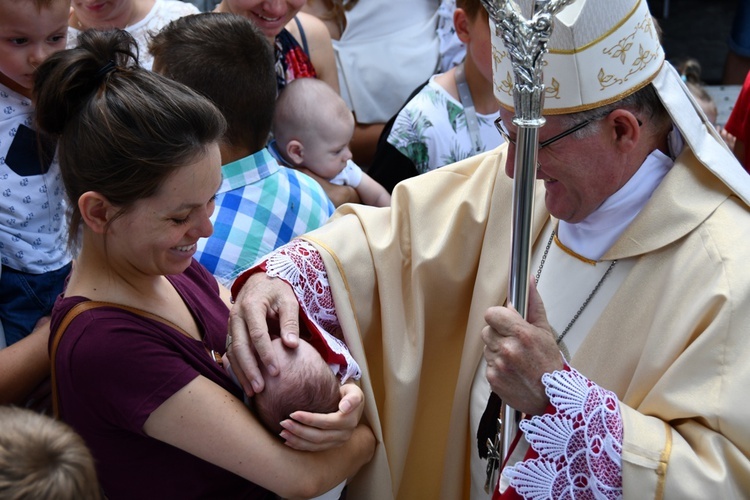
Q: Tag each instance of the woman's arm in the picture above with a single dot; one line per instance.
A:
(320, 47)
(218, 428)
(24, 365)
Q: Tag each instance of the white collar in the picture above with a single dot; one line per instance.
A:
(594, 235)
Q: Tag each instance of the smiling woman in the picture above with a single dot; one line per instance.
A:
(302, 43)
(140, 161)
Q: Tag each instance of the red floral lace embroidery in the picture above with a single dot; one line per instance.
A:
(300, 265)
(579, 446)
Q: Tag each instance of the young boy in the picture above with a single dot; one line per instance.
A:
(35, 261)
(312, 128)
(260, 204)
(451, 117)
(41, 457)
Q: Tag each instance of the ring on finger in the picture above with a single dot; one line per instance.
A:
(229, 341)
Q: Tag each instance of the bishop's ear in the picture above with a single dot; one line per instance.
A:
(626, 128)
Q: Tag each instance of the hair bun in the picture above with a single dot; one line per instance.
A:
(68, 79)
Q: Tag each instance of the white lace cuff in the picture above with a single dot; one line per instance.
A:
(579, 445)
(299, 264)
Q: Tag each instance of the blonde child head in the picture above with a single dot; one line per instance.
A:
(43, 458)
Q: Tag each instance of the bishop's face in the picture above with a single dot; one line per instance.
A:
(579, 173)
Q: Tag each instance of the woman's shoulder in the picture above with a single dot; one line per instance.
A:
(314, 29)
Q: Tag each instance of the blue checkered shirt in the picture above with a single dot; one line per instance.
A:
(259, 207)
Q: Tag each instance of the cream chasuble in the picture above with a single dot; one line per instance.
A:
(411, 285)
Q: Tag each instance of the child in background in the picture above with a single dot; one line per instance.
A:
(41, 457)
(260, 204)
(35, 261)
(140, 18)
(690, 70)
(451, 117)
(312, 127)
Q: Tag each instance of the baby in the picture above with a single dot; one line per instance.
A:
(305, 382)
(308, 378)
(312, 128)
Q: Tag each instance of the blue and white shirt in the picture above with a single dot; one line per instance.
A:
(259, 207)
(33, 229)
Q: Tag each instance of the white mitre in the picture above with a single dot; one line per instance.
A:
(603, 50)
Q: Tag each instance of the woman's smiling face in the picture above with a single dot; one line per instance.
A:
(269, 15)
(158, 234)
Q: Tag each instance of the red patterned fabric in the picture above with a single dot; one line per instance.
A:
(291, 61)
(300, 265)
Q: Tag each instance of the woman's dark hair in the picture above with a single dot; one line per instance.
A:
(121, 129)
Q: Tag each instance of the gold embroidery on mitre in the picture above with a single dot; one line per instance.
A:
(506, 85)
(552, 91)
(622, 49)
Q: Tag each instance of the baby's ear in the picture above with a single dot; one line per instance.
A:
(296, 152)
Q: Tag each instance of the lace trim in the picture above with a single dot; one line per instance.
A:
(579, 446)
(299, 264)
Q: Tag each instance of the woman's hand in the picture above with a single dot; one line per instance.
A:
(318, 431)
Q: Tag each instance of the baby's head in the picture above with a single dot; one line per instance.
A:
(305, 382)
(313, 127)
(30, 31)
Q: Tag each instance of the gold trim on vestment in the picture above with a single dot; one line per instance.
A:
(661, 470)
(593, 105)
(572, 253)
(597, 40)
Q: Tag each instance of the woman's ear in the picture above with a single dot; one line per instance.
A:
(96, 211)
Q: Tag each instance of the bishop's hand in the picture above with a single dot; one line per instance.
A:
(519, 352)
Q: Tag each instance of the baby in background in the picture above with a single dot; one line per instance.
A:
(312, 128)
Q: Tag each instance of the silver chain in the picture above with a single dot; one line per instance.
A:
(585, 302)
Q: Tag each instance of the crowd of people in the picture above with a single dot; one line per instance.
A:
(258, 249)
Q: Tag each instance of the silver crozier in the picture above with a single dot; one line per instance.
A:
(525, 43)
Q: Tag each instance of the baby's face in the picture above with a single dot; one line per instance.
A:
(327, 152)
